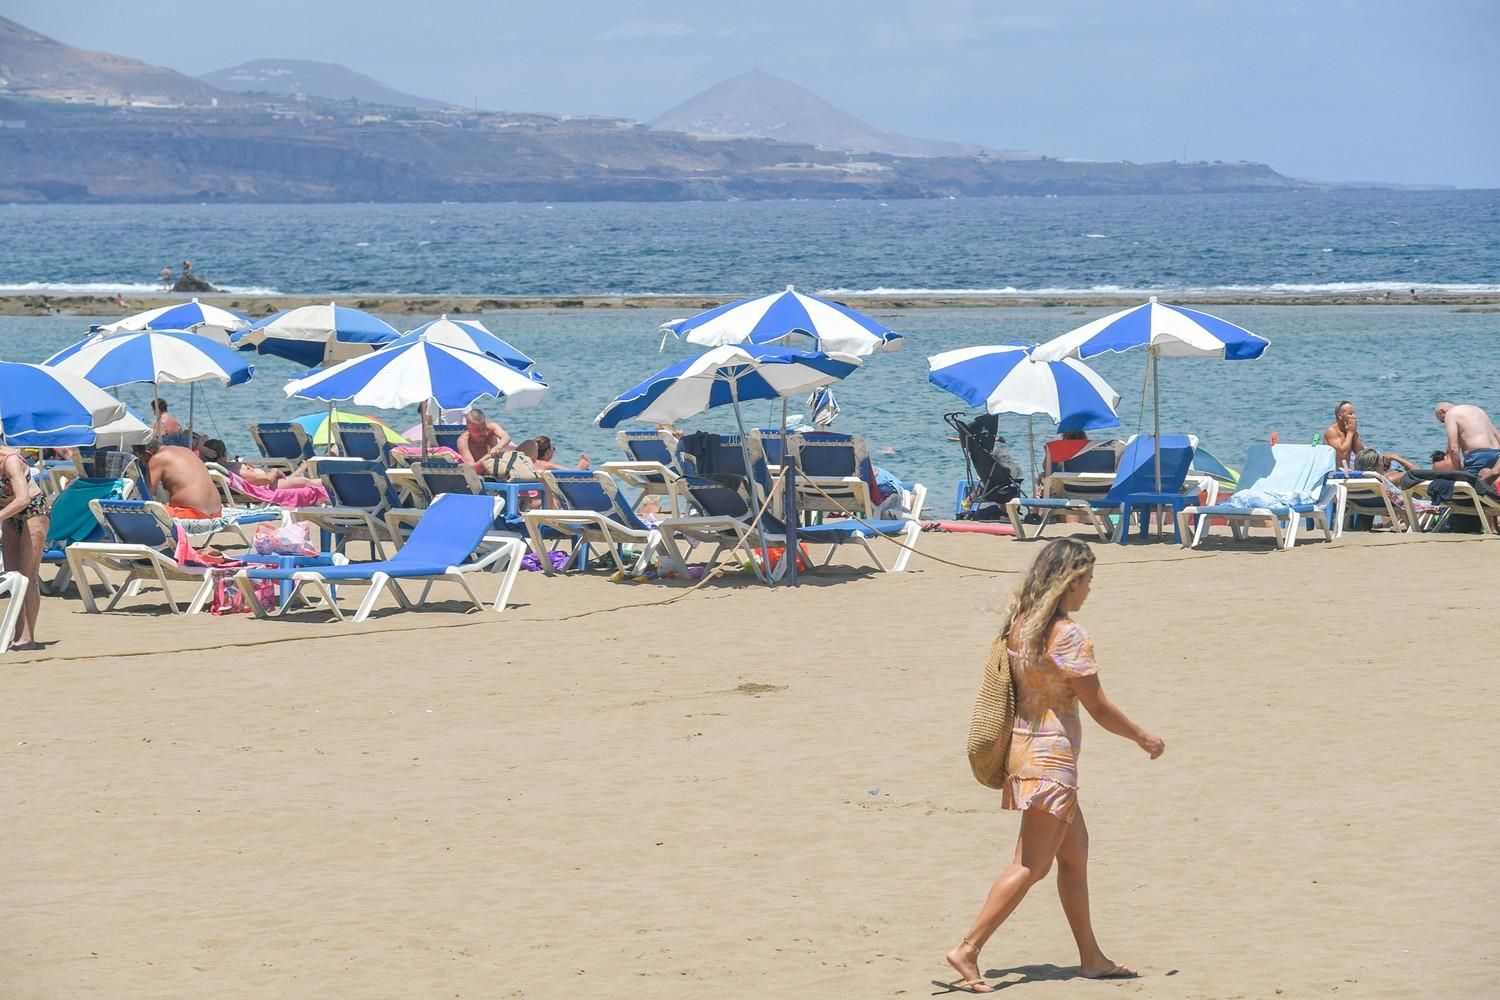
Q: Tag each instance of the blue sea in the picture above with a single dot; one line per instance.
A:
(1395, 362)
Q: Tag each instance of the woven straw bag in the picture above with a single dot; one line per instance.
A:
(994, 712)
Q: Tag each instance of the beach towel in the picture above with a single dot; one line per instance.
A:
(1251, 497)
(287, 496)
(199, 523)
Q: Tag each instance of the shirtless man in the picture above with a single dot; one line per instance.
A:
(1343, 434)
(190, 492)
(1473, 442)
(482, 441)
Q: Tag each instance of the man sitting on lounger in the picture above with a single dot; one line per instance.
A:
(483, 442)
(1343, 434)
(179, 472)
(1473, 442)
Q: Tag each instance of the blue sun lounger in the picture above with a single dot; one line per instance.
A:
(594, 514)
(442, 546)
(1274, 480)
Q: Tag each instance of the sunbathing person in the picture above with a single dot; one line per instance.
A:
(1473, 441)
(541, 452)
(177, 471)
(214, 450)
(1343, 434)
(483, 442)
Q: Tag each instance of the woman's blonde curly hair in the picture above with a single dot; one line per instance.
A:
(1060, 565)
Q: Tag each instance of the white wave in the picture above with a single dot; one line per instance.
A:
(1275, 288)
(117, 287)
(1095, 236)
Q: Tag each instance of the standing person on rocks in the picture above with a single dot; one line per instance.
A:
(1052, 663)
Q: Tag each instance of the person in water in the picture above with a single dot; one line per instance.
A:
(1053, 666)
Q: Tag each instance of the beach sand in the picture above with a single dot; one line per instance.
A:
(757, 793)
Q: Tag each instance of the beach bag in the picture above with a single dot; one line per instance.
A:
(994, 713)
(228, 599)
(293, 539)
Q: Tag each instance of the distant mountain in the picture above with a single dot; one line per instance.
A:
(766, 106)
(33, 65)
(289, 77)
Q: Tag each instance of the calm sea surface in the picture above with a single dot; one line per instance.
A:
(1298, 241)
(1394, 362)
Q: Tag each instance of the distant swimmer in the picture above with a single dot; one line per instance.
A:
(166, 276)
(187, 268)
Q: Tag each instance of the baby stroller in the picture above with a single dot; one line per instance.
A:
(991, 479)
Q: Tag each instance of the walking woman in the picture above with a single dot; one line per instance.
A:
(25, 518)
(1052, 661)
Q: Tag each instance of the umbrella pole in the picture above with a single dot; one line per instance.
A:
(426, 427)
(155, 413)
(1031, 454)
(789, 504)
(192, 400)
(1156, 407)
(760, 528)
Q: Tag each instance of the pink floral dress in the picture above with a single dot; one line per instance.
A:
(1047, 734)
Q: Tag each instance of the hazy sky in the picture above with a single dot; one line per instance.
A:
(1328, 89)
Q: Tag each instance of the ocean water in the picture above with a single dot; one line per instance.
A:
(1291, 242)
(1395, 363)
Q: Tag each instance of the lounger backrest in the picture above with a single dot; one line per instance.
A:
(1137, 472)
(438, 480)
(585, 489)
(447, 435)
(132, 522)
(354, 482)
(646, 446)
(361, 441)
(714, 499)
(1286, 469)
(773, 443)
(826, 454)
(449, 532)
(282, 440)
(1093, 460)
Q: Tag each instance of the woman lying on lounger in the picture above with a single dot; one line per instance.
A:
(214, 450)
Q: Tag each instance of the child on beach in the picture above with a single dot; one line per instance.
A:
(1052, 663)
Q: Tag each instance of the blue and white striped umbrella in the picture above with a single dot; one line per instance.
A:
(466, 335)
(1168, 331)
(46, 408)
(157, 357)
(784, 316)
(317, 335)
(725, 376)
(208, 321)
(1005, 379)
(397, 377)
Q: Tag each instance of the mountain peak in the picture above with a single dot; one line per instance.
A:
(38, 66)
(762, 104)
(331, 81)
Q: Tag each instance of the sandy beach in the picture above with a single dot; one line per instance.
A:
(49, 304)
(758, 793)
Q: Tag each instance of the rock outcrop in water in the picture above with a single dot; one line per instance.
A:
(191, 283)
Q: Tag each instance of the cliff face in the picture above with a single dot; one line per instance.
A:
(93, 154)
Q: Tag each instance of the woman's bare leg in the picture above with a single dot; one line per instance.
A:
(1073, 890)
(1041, 835)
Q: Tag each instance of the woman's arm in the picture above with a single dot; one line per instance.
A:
(1108, 715)
(20, 485)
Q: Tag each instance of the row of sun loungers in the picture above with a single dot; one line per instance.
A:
(435, 522)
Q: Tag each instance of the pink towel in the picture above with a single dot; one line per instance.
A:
(291, 496)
